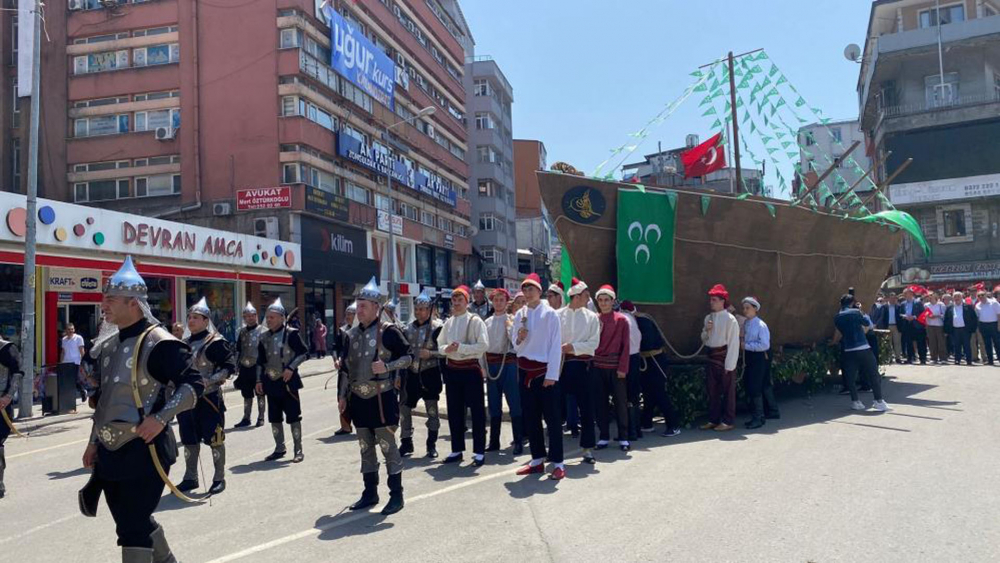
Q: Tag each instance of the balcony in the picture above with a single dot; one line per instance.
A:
(960, 109)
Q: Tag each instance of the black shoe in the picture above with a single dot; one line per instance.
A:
(276, 455)
(406, 447)
(217, 487)
(432, 452)
(773, 416)
(755, 424)
(626, 447)
(243, 423)
(260, 422)
(453, 459)
(299, 457)
(187, 485)
(518, 448)
(589, 460)
(341, 432)
(479, 462)
(367, 499)
(865, 389)
(394, 505)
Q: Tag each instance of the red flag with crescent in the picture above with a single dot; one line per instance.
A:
(704, 158)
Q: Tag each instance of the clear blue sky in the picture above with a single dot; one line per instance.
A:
(586, 73)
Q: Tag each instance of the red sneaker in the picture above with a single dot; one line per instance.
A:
(558, 473)
(529, 469)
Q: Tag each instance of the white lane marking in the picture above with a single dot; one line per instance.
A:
(38, 528)
(40, 450)
(315, 531)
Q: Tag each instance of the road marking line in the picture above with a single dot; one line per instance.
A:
(38, 528)
(40, 450)
(317, 530)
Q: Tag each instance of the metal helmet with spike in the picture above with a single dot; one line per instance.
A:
(277, 307)
(424, 299)
(371, 292)
(249, 309)
(478, 286)
(126, 282)
(201, 308)
(352, 308)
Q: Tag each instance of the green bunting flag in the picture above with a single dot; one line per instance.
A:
(785, 144)
(781, 80)
(701, 88)
(780, 134)
(696, 74)
(756, 69)
(765, 139)
(904, 220)
(753, 127)
(773, 71)
(705, 101)
(705, 201)
(743, 195)
(716, 124)
(770, 209)
(771, 150)
(746, 116)
(780, 103)
(761, 55)
(710, 111)
(645, 246)
(792, 154)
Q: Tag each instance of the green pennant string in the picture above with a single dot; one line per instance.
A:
(743, 195)
(701, 88)
(705, 101)
(781, 102)
(756, 69)
(800, 102)
(710, 111)
(766, 121)
(765, 139)
(773, 71)
(705, 201)
(715, 85)
(762, 55)
(640, 187)
(771, 150)
(780, 134)
(753, 127)
(774, 110)
(756, 88)
(785, 144)
(739, 102)
(716, 124)
(766, 82)
(792, 155)
(746, 116)
(770, 209)
(697, 74)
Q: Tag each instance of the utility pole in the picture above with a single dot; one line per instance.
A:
(31, 219)
(736, 127)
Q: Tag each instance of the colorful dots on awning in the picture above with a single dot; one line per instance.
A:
(278, 250)
(46, 214)
(256, 258)
(274, 260)
(16, 221)
(98, 239)
(289, 258)
(79, 230)
(60, 234)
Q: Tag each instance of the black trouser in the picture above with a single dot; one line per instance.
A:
(538, 402)
(654, 391)
(913, 335)
(962, 340)
(4, 429)
(283, 399)
(611, 386)
(132, 489)
(464, 390)
(633, 384)
(205, 422)
(246, 381)
(578, 380)
(757, 377)
(991, 339)
(863, 362)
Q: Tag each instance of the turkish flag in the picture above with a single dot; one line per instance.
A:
(705, 158)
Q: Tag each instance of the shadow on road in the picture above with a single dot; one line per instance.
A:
(261, 465)
(531, 485)
(58, 475)
(347, 524)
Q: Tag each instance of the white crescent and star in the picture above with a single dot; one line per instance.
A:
(713, 153)
(639, 249)
(634, 225)
(656, 228)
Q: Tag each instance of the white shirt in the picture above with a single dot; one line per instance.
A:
(634, 336)
(472, 340)
(498, 334)
(987, 311)
(958, 321)
(544, 340)
(581, 328)
(71, 349)
(936, 309)
(725, 332)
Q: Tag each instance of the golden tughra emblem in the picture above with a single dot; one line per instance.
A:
(583, 207)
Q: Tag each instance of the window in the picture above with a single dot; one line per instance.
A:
(427, 218)
(988, 11)
(941, 93)
(487, 188)
(101, 190)
(954, 223)
(949, 14)
(835, 133)
(100, 62)
(100, 38)
(490, 254)
(485, 121)
(15, 163)
(101, 125)
(98, 166)
(487, 154)
(290, 37)
(156, 55)
(487, 222)
(158, 185)
(383, 202)
(155, 96)
(290, 174)
(103, 102)
(154, 31)
(359, 194)
(153, 120)
(481, 87)
(15, 115)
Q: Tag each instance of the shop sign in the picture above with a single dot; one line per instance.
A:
(381, 162)
(66, 226)
(383, 223)
(965, 270)
(326, 204)
(356, 58)
(75, 281)
(945, 190)
(264, 198)
(332, 238)
(449, 241)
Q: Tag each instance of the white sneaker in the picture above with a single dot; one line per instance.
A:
(881, 406)
(858, 406)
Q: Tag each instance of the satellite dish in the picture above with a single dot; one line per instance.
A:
(852, 53)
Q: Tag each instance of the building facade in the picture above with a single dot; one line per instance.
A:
(533, 224)
(929, 89)
(822, 145)
(664, 168)
(239, 117)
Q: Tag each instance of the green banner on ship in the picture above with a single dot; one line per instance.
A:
(566, 270)
(645, 246)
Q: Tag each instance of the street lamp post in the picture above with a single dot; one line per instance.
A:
(393, 290)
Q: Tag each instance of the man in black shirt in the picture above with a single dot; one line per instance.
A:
(280, 353)
(10, 381)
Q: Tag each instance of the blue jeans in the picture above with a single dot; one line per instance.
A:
(505, 385)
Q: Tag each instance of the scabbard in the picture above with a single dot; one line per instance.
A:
(89, 496)
(10, 424)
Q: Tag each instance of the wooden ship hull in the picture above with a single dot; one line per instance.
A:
(797, 263)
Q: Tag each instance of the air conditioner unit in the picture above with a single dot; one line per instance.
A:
(222, 209)
(490, 272)
(75, 5)
(164, 133)
(266, 227)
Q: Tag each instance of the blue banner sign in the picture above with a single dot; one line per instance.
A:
(356, 58)
(429, 184)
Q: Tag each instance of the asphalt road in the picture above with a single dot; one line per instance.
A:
(822, 484)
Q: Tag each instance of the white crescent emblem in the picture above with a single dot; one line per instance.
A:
(714, 155)
(635, 225)
(641, 248)
(653, 227)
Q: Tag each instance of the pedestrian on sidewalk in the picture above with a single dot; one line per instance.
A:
(935, 329)
(280, 353)
(478, 305)
(537, 337)
(422, 381)
(987, 311)
(947, 301)
(71, 351)
(247, 341)
(852, 325)
(376, 350)
(757, 369)
(611, 365)
(319, 338)
(893, 322)
(913, 331)
(581, 335)
(501, 378)
(463, 341)
(10, 382)
(212, 356)
(721, 336)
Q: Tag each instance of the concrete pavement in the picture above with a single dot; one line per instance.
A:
(822, 484)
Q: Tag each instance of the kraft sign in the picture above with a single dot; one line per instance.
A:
(264, 198)
(74, 281)
(356, 58)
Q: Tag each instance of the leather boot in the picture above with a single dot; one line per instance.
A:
(517, 423)
(3, 468)
(137, 555)
(219, 478)
(494, 445)
(161, 551)
(190, 481)
(247, 407)
(260, 411)
(297, 442)
(758, 413)
(432, 437)
(395, 503)
(370, 495)
(278, 431)
(406, 447)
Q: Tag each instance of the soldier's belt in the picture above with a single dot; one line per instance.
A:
(369, 389)
(247, 362)
(114, 435)
(274, 373)
(651, 353)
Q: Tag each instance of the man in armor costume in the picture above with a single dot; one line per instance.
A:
(247, 340)
(340, 351)
(423, 379)
(375, 350)
(146, 379)
(206, 422)
(479, 306)
(10, 381)
(280, 353)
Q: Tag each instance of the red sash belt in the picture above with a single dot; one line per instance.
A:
(578, 358)
(499, 358)
(717, 356)
(532, 369)
(464, 364)
(606, 362)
